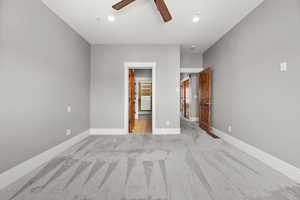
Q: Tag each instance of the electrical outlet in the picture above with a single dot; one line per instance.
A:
(229, 129)
(168, 123)
(69, 109)
(283, 67)
(68, 132)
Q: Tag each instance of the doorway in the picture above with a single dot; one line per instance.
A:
(196, 97)
(139, 114)
(185, 98)
(189, 96)
(140, 101)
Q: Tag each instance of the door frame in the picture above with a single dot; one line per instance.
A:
(185, 99)
(189, 71)
(139, 65)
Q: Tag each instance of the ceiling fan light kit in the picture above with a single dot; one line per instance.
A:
(160, 4)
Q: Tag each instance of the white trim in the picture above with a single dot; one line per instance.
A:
(167, 131)
(139, 65)
(10, 176)
(285, 168)
(191, 119)
(194, 119)
(190, 70)
(107, 132)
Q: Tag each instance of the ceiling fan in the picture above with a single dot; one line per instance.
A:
(160, 4)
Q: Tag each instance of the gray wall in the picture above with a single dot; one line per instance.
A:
(189, 59)
(107, 83)
(44, 66)
(194, 105)
(250, 93)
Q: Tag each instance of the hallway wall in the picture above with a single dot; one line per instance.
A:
(190, 59)
(249, 91)
(194, 105)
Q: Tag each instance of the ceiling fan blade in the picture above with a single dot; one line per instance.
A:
(122, 4)
(163, 9)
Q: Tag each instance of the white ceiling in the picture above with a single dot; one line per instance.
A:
(140, 22)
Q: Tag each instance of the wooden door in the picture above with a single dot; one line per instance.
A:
(181, 99)
(205, 79)
(186, 107)
(131, 101)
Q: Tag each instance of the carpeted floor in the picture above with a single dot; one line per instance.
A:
(190, 166)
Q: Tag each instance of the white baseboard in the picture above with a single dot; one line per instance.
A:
(167, 131)
(191, 119)
(285, 168)
(194, 119)
(108, 132)
(158, 131)
(191, 69)
(10, 176)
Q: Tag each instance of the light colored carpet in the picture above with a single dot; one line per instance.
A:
(190, 166)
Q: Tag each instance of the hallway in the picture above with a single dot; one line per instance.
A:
(189, 166)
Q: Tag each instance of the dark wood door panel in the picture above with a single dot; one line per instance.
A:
(131, 101)
(205, 79)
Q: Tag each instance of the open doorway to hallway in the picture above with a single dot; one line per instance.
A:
(189, 96)
(196, 98)
(140, 101)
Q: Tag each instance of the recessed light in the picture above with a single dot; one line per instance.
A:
(111, 18)
(193, 47)
(196, 19)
